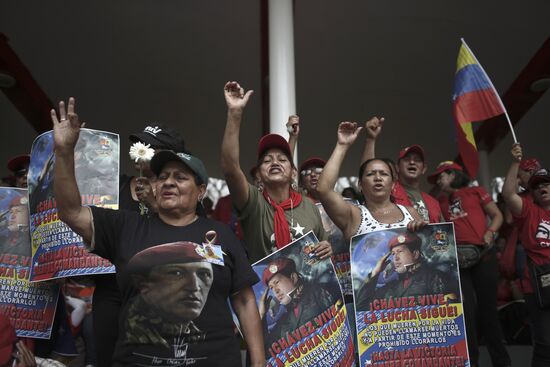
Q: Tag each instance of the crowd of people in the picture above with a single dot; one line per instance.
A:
(167, 304)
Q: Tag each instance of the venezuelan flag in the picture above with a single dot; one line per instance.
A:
(474, 96)
(474, 99)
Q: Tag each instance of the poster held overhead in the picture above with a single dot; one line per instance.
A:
(57, 251)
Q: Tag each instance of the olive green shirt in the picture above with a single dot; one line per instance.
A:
(257, 222)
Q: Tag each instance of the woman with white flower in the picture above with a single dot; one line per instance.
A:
(161, 262)
(135, 194)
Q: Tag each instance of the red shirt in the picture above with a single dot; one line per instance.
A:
(401, 197)
(225, 213)
(464, 208)
(535, 232)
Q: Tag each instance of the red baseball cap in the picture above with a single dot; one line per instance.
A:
(19, 162)
(7, 340)
(313, 162)
(411, 149)
(275, 267)
(273, 141)
(529, 165)
(407, 238)
(442, 167)
(538, 177)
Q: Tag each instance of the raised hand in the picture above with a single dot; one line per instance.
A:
(373, 127)
(293, 125)
(517, 153)
(66, 128)
(348, 132)
(235, 97)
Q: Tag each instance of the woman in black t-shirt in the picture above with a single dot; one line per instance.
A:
(175, 270)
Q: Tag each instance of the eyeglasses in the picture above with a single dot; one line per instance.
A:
(308, 172)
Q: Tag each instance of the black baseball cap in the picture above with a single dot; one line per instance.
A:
(160, 136)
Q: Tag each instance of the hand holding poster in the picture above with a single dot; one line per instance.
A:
(302, 308)
(407, 297)
(56, 250)
(30, 307)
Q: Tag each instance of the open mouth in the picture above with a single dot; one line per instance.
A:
(275, 170)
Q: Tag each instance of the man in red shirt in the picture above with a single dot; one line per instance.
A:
(534, 221)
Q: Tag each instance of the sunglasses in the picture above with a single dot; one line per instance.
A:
(308, 172)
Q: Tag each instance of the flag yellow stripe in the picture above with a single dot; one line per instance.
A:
(469, 132)
(465, 58)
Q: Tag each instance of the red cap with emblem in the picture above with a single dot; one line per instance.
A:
(281, 265)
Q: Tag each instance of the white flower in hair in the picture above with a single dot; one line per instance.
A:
(141, 152)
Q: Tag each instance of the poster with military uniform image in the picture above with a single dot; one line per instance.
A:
(57, 251)
(29, 306)
(407, 297)
(302, 308)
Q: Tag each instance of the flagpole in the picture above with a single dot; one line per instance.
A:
(492, 86)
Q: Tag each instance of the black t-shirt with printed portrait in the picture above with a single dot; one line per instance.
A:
(118, 236)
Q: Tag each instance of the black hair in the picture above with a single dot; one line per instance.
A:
(386, 161)
(460, 180)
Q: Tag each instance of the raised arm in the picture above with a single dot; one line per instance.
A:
(373, 127)
(509, 189)
(293, 128)
(66, 130)
(236, 100)
(345, 215)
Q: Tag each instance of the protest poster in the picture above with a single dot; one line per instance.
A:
(407, 298)
(57, 251)
(29, 306)
(302, 308)
(340, 248)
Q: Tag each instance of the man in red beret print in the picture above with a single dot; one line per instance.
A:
(16, 240)
(303, 301)
(414, 276)
(174, 280)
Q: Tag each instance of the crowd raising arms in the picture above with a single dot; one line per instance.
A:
(276, 172)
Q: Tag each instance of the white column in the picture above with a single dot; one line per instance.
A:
(282, 87)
